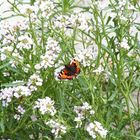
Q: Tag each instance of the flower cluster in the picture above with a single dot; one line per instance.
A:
(52, 52)
(125, 11)
(87, 55)
(7, 94)
(34, 82)
(58, 129)
(40, 9)
(77, 19)
(8, 28)
(25, 42)
(45, 106)
(61, 22)
(81, 112)
(20, 111)
(21, 91)
(124, 44)
(5, 52)
(9, 39)
(81, 20)
(85, 112)
(96, 128)
(46, 7)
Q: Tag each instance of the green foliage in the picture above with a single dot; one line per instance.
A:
(113, 91)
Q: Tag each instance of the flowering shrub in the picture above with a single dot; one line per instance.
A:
(38, 41)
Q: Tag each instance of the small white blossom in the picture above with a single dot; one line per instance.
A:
(17, 116)
(122, 3)
(34, 82)
(99, 128)
(87, 55)
(82, 112)
(37, 66)
(86, 106)
(5, 51)
(99, 70)
(17, 59)
(22, 91)
(80, 20)
(96, 128)
(90, 130)
(124, 44)
(28, 9)
(45, 106)
(20, 110)
(52, 52)
(33, 118)
(6, 95)
(57, 128)
(26, 68)
(46, 8)
(25, 42)
(6, 74)
(78, 122)
(61, 22)
(91, 112)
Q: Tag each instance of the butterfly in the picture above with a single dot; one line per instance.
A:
(70, 71)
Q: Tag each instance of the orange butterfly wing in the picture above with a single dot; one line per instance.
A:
(70, 71)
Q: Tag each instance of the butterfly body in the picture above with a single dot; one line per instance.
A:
(70, 71)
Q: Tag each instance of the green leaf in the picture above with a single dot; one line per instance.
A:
(12, 84)
(4, 65)
(2, 126)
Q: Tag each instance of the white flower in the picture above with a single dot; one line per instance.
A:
(28, 9)
(25, 42)
(131, 7)
(80, 20)
(89, 129)
(17, 116)
(20, 110)
(26, 68)
(99, 70)
(37, 66)
(91, 112)
(123, 18)
(122, 3)
(45, 106)
(99, 128)
(124, 44)
(57, 128)
(17, 58)
(33, 118)
(46, 7)
(34, 81)
(6, 74)
(6, 95)
(78, 122)
(87, 55)
(46, 61)
(61, 22)
(22, 91)
(81, 110)
(133, 30)
(5, 51)
(86, 106)
(52, 52)
(96, 128)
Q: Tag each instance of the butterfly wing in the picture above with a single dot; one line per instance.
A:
(70, 71)
(65, 74)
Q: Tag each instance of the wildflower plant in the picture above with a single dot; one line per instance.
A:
(38, 38)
